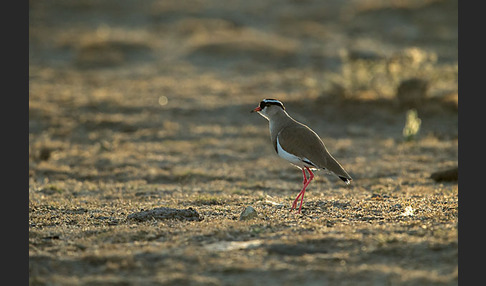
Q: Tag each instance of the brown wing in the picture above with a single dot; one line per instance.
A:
(301, 141)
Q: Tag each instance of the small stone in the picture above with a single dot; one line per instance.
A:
(412, 93)
(45, 154)
(449, 175)
(248, 213)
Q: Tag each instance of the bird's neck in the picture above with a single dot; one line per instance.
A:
(278, 121)
(280, 118)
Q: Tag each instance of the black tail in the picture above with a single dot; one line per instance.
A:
(346, 180)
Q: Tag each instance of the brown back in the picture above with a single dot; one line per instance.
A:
(303, 142)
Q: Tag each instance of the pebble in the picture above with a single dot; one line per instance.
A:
(449, 175)
(248, 213)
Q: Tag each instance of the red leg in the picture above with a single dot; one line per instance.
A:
(305, 186)
(294, 205)
(305, 177)
(302, 192)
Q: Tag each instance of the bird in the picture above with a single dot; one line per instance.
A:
(298, 144)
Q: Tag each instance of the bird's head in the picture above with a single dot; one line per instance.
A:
(269, 107)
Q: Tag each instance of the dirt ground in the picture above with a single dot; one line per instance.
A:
(140, 105)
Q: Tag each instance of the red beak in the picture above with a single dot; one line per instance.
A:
(256, 109)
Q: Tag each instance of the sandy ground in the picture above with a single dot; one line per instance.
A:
(136, 106)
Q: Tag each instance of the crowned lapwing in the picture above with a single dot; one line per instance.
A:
(298, 144)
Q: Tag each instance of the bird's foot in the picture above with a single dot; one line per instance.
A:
(301, 196)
